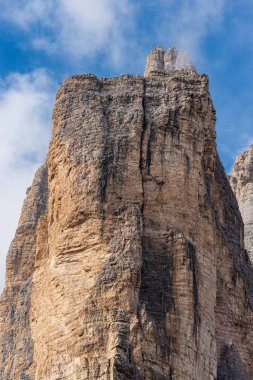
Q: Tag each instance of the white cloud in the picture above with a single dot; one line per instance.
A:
(78, 28)
(25, 113)
(23, 12)
(186, 22)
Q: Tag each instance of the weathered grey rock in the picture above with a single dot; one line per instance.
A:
(241, 181)
(170, 58)
(138, 269)
(16, 344)
(163, 63)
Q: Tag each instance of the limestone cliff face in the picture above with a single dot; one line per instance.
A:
(137, 270)
(241, 181)
(16, 343)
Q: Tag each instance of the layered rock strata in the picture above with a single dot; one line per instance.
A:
(16, 343)
(137, 270)
(241, 181)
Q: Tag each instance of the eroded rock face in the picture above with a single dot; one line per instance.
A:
(241, 181)
(16, 343)
(138, 267)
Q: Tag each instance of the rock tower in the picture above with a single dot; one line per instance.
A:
(241, 181)
(128, 262)
(160, 62)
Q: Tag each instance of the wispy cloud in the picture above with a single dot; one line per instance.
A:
(80, 29)
(25, 109)
(77, 28)
(187, 22)
(25, 13)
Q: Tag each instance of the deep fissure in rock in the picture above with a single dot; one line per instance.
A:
(192, 256)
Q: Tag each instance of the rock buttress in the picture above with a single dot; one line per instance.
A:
(140, 271)
(16, 344)
(241, 181)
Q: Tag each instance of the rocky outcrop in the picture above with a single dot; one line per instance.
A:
(16, 343)
(241, 181)
(160, 62)
(138, 269)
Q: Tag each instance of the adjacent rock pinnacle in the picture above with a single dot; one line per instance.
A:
(241, 181)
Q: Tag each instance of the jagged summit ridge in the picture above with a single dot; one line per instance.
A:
(160, 62)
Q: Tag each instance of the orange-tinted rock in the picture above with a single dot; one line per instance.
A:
(16, 343)
(138, 268)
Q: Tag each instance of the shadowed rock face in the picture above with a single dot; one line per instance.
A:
(137, 270)
(241, 181)
(230, 366)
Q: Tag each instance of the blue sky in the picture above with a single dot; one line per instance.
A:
(43, 41)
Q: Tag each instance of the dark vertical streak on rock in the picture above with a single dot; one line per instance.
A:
(144, 127)
(174, 124)
(191, 255)
(156, 280)
(149, 150)
(173, 120)
(107, 156)
(156, 289)
(187, 163)
(106, 152)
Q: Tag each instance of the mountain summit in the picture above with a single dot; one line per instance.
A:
(160, 62)
(128, 261)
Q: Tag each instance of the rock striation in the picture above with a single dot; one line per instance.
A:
(128, 262)
(241, 181)
(16, 343)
